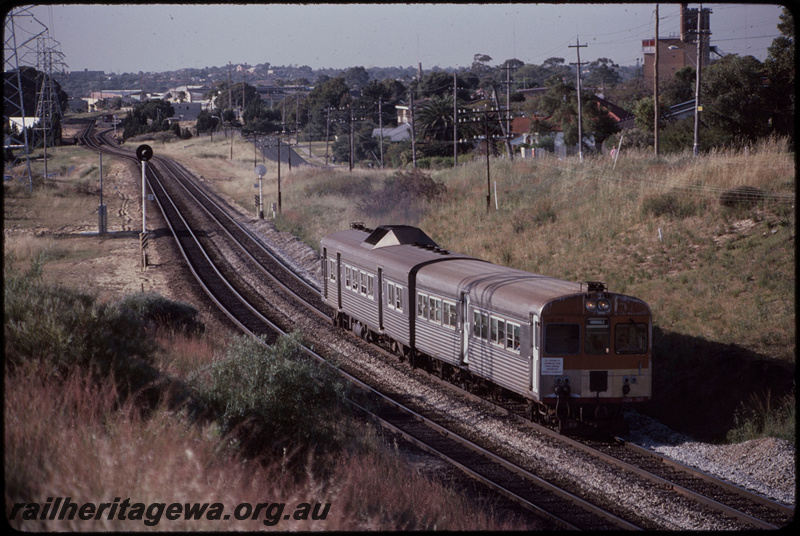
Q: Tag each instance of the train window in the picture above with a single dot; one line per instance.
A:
(363, 283)
(450, 315)
(370, 286)
(562, 338)
(422, 306)
(347, 276)
(512, 336)
(630, 338)
(480, 325)
(394, 296)
(598, 336)
(435, 309)
(332, 269)
(498, 333)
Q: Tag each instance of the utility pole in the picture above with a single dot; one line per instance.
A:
(579, 46)
(655, 90)
(696, 146)
(327, 133)
(279, 174)
(455, 120)
(380, 125)
(485, 113)
(350, 108)
(413, 134)
(503, 124)
(508, 111)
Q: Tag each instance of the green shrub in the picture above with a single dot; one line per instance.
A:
(671, 204)
(273, 394)
(344, 186)
(62, 328)
(401, 191)
(764, 417)
(742, 196)
(156, 310)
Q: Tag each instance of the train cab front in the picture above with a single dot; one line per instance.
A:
(596, 358)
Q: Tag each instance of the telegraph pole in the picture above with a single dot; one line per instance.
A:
(380, 125)
(455, 119)
(695, 147)
(579, 46)
(413, 134)
(485, 113)
(655, 90)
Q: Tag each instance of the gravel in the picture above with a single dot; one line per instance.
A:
(766, 466)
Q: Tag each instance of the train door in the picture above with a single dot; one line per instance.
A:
(534, 359)
(465, 328)
(380, 299)
(325, 272)
(339, 280)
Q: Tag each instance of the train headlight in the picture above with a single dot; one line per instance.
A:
(591, 305)
(604, 304)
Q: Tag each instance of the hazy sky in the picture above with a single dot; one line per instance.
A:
(162, 37)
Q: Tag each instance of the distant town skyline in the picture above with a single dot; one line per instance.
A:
(135, 38)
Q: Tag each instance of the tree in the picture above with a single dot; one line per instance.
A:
(480, 65)
(602, 72)
(356, 77)
(680, 88)
(332, 95)
(735, 99)
(780, 67)
(150, 116)
(434, 119)
(205, 122)
(561, 104)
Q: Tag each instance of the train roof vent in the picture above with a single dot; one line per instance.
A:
(396, 235)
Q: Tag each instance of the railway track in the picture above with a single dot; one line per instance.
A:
(233, 271)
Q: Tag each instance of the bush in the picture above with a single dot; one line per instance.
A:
(348, 186)
(671, 204)
(157, 311)
(401, 191)
(764, 417)
(62, 328)
(743, 196)
(273, 394)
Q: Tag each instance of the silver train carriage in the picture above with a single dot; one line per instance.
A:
(574, 351)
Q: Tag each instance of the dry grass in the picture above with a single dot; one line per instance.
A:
(84, 445)
(651, 227)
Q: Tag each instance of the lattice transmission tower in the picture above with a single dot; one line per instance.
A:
(29, 122)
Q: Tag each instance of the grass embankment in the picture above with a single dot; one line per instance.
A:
(708, 242)
(96, 381)
(129, 400)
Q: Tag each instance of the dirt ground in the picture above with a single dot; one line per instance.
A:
(109, 265)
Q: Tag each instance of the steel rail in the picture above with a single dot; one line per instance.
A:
(584, 505)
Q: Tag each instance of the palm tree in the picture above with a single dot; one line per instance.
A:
(433, 120)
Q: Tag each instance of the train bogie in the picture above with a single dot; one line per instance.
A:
(573, 350)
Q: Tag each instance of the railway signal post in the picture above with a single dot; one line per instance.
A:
(101, 209)
(260, 171)
(144, 153)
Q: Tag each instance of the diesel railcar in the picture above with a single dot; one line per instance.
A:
(574, 351)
